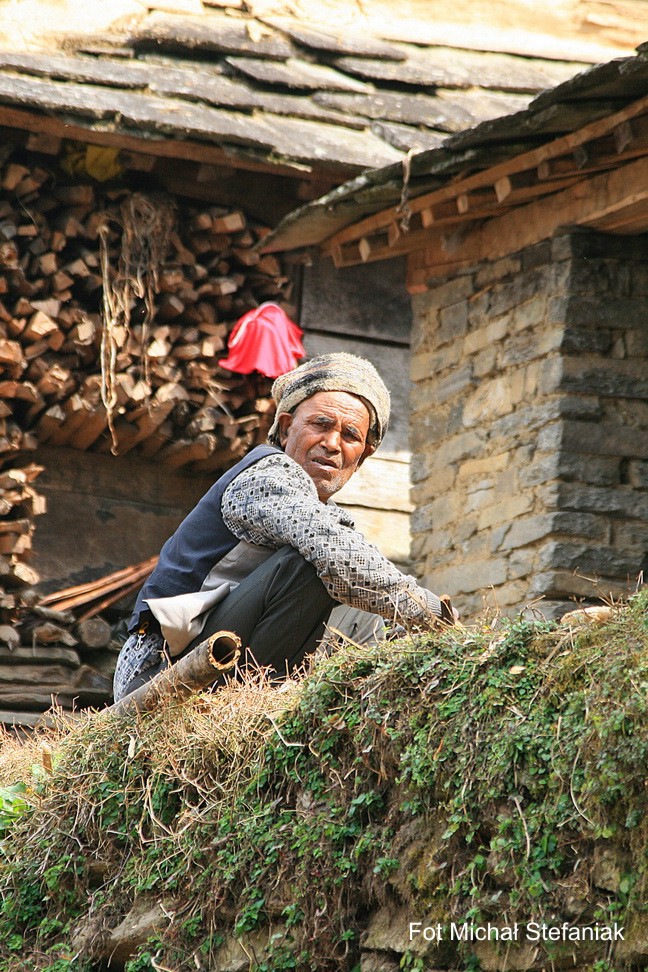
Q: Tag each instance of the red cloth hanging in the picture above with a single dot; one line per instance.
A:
(264, 340)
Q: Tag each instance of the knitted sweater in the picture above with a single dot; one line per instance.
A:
(268, 501)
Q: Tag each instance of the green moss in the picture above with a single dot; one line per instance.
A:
(465, 775)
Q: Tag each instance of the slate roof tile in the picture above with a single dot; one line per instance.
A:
(294, 73)
(413, 109)
(415, 70)
(336, 42)
(307, 140)
(279, 89)
(587, 97)
(405, 137)
(216, 33)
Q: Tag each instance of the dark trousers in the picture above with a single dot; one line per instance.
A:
(280, 612)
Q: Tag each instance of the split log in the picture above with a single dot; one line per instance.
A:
(94, 633)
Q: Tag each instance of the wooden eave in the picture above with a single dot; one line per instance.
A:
(596, 176)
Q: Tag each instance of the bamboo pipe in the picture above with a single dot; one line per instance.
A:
(191, 673)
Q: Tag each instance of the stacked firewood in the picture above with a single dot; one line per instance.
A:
(110, 336)
(63, 650)
(170, 399)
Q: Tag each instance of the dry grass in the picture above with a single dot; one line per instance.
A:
(210, 741)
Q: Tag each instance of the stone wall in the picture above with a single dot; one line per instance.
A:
(530, 426)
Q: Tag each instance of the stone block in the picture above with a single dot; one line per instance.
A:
(484, 466)
(467, 578)
(438, 481)
(476, 547)
(531, 314)
(583, 242)
(442, 389)
(630, 535)
(556, 310)
(431, 363)
(533, 528)
(144, 919)
(550, 376)
(436, 515)
(577, 340)
(480, 496)
(541, 470)
(520, 563)
(594, 560)
(621, 380)
(620, 313)
(485, 336)
(639, 278)
(460, 447)
(596, 470)
(491, 400)
(581, 407)
(484, 363)
(521, 426)
(450, 292)
(431, 426)
(471, 605)
(636, 343)
(550, 438)
(453, 322)
(603, 439)
(479, 308)
(638, 474)
(504, 511)
(527, 530)
(529, 345)
(537, 255)
(388, 930)
(421, 464)
(609, 867)
(236, 955)
(498, 270)
(565, 584)
(588, 525)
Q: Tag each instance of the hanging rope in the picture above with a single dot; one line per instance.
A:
(146, 224)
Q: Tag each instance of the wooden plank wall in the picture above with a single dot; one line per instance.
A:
(366, 310)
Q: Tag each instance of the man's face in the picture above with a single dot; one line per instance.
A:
(327, 436)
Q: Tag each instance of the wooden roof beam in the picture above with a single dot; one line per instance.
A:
(161, 147)
(604, 201)
(563, 146)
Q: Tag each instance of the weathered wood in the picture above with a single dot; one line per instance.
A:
(90, 591)
(94, 633)
(524, 162)
(51, 654)
(201, 667)
(604, 202)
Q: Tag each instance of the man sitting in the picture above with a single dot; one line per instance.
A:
(267, 554)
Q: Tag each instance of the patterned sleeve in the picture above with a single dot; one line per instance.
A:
(274, 503)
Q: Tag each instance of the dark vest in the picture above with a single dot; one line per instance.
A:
(201, 540)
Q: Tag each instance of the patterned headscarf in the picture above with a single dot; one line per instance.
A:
(338, 372)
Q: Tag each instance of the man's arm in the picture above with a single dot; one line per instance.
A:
(275, 502)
